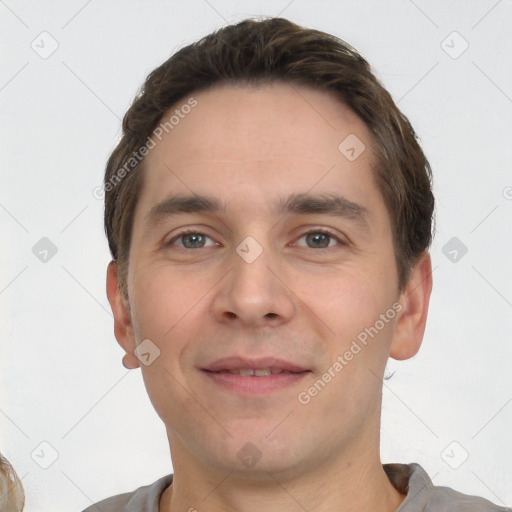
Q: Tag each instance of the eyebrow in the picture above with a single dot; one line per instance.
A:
(325, 204)
(298, 204)
(175, 205)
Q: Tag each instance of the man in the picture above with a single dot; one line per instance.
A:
(269, 214)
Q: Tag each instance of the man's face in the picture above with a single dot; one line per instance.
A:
(310, 278)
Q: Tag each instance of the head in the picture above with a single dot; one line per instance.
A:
(275, 50)
(268, 199)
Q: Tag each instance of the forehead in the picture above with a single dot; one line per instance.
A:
(238, 122)
(263, 141)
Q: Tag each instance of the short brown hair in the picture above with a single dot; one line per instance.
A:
(277, 50)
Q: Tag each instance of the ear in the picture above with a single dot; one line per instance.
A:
(414, 300)
(123, 328)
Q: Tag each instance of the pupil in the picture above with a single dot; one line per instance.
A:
(317, 240)
(193, 240)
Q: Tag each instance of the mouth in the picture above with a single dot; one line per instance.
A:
(260, 372)
(254, 376)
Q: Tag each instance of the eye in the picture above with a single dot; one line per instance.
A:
(192, 240)
(318, 240)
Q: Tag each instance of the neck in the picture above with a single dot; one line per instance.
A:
(350, 485)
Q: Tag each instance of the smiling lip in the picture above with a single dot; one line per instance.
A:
(238, 363)
(220, 373)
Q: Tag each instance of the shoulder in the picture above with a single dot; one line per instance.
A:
(422, 494)
(143, 499)
(444, 498)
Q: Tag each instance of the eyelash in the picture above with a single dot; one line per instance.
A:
(322, 232)
(313, 231)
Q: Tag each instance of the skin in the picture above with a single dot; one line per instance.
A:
(248, 146)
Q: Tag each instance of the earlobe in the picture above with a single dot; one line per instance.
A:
(123, 328)
(414, 300)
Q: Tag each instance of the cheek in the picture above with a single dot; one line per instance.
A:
(161, 300)
(346, 300)
(166, 310)
(357, 342)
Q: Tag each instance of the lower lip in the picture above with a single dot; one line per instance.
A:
(253, 385)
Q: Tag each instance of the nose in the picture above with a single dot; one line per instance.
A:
(254, 294)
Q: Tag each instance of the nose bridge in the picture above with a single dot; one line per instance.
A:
(252, 293)
(251, 275)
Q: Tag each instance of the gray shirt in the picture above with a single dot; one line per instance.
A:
(409, 479)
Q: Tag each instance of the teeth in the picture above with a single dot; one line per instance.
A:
(246, 372)
(261, 373)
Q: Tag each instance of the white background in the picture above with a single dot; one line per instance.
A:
(61, 376)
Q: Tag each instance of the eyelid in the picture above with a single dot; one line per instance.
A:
(341, 240)
(188, 231)
(201, 231)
